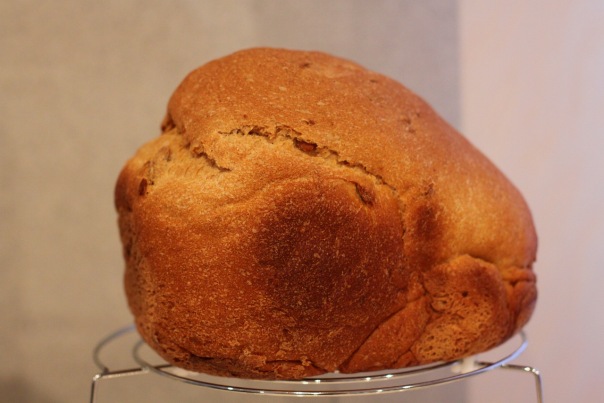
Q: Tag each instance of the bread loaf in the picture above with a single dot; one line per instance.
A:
(300, 214)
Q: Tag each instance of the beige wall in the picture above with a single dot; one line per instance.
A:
(533, 99)
(82, 84)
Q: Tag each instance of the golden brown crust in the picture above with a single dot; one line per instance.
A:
(300, 214)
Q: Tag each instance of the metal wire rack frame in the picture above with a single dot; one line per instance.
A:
(329, 385)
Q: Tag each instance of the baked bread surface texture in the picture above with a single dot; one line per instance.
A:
(300, 214)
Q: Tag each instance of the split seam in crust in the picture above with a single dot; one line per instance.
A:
(307, 147)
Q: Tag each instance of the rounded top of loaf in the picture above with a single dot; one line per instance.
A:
(369, 121)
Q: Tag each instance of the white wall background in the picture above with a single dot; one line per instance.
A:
(83, 83)
(532, 84)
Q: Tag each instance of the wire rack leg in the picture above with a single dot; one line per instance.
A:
(93, 387)
(536, 375)
(111, 375)
(530, 370)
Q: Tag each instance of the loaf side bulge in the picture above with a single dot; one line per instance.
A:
(356, 194)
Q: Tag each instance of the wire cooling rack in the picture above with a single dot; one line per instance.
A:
(371, 383)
